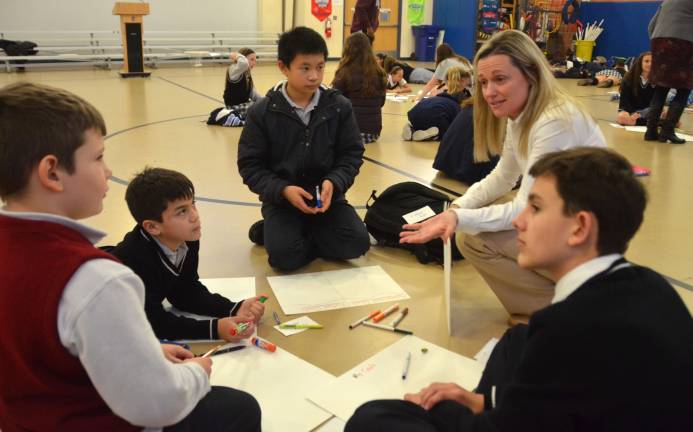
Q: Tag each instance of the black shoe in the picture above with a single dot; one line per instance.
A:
(651, 134)
(671, 137)
(257, 233)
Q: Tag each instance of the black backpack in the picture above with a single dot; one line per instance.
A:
(18, 48)
(384, 218)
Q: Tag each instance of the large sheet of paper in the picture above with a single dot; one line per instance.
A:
(447, 277)
(314, 292)
(380, 377)
(279, 381)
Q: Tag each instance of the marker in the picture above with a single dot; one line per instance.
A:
(300, 326)
(228, 350)
(389, 328)
(318, 201)
(400, 317)
(265, 345)
(407, 361)
(240, 328)
(276, 318)
(386, 312)
(366, 318)
(263, 299)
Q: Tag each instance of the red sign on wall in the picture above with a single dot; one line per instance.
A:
(321, 9)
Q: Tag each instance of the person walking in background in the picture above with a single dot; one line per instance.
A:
(366, 18)
(671, 38)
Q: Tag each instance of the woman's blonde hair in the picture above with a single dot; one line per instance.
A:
(454, 77)
(544, 90)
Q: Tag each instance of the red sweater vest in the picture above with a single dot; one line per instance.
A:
(42, 386)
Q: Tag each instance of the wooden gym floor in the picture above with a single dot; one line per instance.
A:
(160, 121)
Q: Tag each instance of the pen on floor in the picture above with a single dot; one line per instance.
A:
(366, 318)
(276, 318)
(300, 326)
(407, 361)
(386, 312)
(389, 328)
(400, 317)
(318, 201)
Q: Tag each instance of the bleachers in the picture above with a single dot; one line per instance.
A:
(103, 48)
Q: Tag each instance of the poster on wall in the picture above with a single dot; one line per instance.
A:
(321, 9)
(415, 11)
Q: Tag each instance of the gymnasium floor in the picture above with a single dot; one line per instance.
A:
(159, 121)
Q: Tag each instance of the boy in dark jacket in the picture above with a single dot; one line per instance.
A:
(300, 151)
(163, 250)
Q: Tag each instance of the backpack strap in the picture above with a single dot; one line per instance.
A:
(373, 197)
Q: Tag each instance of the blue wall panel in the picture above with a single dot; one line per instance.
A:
(458, 18)
(625, 26)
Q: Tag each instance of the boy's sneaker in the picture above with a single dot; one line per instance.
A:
(257, 233)
(406, 132)
(426, 134)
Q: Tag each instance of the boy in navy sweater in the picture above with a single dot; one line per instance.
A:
(163, 250)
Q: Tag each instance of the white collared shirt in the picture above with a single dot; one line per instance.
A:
(303, 113)
(572, 280)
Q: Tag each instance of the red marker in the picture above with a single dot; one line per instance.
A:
(386, 312)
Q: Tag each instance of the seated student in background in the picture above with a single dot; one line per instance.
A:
(636, 93)
(77, 351)
(414, 75)
(601, 357)
(445, 59)
(362, 81)
(163, 250)
(430, 118)
(455, 156)
(396, 82)
(300, 139)
(239, 89)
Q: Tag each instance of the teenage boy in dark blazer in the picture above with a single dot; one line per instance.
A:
(614, 349)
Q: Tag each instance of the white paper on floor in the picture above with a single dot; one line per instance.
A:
(380, 377)
(279, 381)
(337, 289)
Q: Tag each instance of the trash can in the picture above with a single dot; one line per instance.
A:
(583, 49)
(426, 37)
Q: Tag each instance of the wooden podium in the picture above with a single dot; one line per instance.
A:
(131, 30)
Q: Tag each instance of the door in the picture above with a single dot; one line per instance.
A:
(387, 35)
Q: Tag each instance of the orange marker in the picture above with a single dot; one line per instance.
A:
(366, 318)
(386, 312)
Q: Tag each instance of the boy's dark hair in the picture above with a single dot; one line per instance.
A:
(36, 121)
(599, 181)
(300, 40)
(150, 192)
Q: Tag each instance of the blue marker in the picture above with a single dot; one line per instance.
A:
(318, 201)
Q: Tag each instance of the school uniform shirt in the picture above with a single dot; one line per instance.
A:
(442, 68)
(391, 85)
(101, 321)
(239, 87)
(631, 102)
(172, 275)
(558, 128)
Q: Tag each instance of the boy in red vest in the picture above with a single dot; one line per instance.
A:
(77, 351)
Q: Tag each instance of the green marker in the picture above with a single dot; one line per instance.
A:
(300, 326)
(263, 299)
